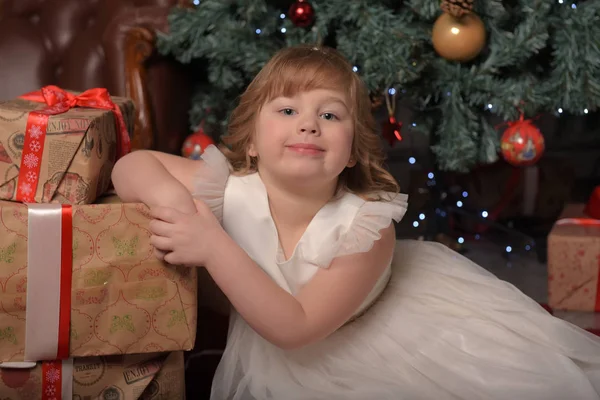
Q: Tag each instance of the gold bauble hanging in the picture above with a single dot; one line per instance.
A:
(458, 38)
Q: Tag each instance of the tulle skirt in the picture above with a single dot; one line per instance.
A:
(444, 328)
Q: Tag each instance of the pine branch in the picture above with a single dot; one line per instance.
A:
(574, 83)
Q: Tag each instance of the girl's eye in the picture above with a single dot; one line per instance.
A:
(287, 111)
(329, 116)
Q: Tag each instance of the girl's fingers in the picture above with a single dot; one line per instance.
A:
(161, 243)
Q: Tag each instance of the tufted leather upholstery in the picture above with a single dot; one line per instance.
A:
(81, 44)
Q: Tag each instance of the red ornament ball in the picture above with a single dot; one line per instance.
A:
(302, 13)
(391, 130)
(195, 144)
(522, 143)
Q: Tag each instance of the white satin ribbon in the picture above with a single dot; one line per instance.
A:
(43, 281)
(67, 379)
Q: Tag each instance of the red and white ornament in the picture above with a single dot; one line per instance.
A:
(522, 143)
(195, 144)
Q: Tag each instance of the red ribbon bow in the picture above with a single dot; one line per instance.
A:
(61, 101)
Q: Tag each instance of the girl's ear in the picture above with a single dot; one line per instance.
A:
(351, 162)
(252, 150)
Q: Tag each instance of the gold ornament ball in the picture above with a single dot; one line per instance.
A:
(458, 38)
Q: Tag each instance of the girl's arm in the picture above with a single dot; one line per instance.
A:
(324, 304)
(156, 179)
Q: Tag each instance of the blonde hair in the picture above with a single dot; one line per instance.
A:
(304, 68)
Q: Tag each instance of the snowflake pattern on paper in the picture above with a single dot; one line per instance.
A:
(31, 176)
(50, 391)
(31, 160)
(53, 375)
(35, 131)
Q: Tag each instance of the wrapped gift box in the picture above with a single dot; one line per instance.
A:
(129, 377)
(122, 299)
(574, 261)
(62, 153)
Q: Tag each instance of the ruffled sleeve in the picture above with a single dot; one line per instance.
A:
(363, 230)
(210, 180)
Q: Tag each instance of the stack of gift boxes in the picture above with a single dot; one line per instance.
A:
(574, 264)
(86, 310)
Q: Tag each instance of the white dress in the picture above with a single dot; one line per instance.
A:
(442, 327)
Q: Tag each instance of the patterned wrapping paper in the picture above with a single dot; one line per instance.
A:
(123, 299)
(574, 261)
(129, 377)
(75, 159)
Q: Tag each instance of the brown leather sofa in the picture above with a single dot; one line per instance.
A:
(82, 44)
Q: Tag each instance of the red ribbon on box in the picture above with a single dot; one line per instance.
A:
(57, 380)
(59, 101)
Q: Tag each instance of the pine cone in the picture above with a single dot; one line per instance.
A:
(458, 8)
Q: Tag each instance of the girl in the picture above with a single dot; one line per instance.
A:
(293, 221)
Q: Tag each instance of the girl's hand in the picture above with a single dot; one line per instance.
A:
(184, 239)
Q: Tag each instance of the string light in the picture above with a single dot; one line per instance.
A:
(355, 68)
(392, 91)
(412, 160)
(196, 2)
(585, 111)
(258, 31)
(574, 6)
(283, 30)
(508, 249)
(282, 16)
(560, 110)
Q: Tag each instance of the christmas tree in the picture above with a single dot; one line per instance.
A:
(461, 65)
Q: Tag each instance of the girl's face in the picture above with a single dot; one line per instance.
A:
(306, 138)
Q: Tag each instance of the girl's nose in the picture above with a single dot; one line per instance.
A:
(309, 126)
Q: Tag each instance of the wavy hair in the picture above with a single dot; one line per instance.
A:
(304, 68)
